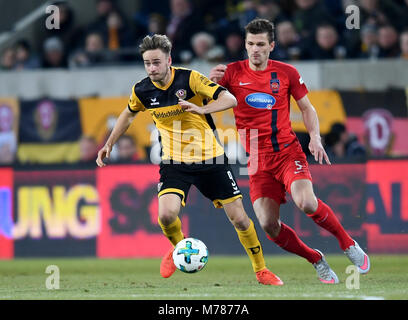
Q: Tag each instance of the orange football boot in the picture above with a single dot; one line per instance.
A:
(167, 266)
(268, 278)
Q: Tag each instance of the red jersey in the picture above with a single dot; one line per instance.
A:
(264, 102)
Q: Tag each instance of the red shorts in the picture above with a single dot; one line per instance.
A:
(276, 172)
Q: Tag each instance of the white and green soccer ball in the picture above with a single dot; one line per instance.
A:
(190, 255)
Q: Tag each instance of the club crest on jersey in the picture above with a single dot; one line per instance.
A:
(274, 82)
(181, 93)
(260, 100)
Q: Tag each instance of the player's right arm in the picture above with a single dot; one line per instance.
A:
(122, 124)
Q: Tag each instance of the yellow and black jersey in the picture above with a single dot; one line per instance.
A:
(184, 136)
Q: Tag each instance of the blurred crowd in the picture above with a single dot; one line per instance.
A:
(212, 31)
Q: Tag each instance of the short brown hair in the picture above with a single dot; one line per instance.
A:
(259, 25)
(157, 41)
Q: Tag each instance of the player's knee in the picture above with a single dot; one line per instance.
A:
(307, 205)
(168, 215)
(270, 226)
(240, 220)
(237, 215)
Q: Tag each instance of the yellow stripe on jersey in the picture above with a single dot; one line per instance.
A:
(185, 137)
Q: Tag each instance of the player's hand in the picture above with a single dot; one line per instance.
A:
(217, 72)
(317, 150)
(191, 107)
(102, 154)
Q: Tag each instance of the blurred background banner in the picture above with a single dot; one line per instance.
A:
(9, 124)
(56, 213)
(63, 86)
(129, 206)
(6, 213)
(49, 131)
(98, 116)
(112, 211)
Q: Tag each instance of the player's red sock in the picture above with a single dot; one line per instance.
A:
(325, 217)
(289, 241)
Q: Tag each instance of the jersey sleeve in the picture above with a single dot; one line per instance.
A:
(134, 104)
(203, 86)
(297, 86)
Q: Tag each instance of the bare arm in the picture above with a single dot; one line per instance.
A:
(122, 124)
(311, 122)
(224, 101)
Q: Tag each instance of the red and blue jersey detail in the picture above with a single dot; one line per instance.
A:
(264, 102)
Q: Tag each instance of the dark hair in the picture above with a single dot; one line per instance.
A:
(157, 41)
(259, 25)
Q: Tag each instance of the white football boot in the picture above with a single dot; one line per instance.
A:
(358, 257)
(324, 272)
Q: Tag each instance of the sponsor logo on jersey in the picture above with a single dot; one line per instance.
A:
(260, 100)
(171, 113)
(154, 102)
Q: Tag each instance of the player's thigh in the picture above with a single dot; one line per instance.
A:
(264, 185)
(172, 192)
(169, 207)
(218, 184)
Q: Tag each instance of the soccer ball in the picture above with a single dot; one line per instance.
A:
(190, 255)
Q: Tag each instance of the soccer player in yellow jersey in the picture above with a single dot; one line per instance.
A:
(176, 99)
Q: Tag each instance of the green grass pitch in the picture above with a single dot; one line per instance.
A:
(225, 277)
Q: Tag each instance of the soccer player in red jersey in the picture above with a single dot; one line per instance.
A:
(263, 88)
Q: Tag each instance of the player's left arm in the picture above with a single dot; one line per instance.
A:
(311, 122)
(224, 101)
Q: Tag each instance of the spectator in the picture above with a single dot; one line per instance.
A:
(111, 25)
(369, 42)
(245, 12)
(156, 24)
(93, 54)
(24, 58)
(8, 59)
(88, 149)
(404, 44)
(270, 10)
(327, 45)
(126, 147)
(204, 48)
(379, 12)
(68, 33)
(308, 15)
(183, 23)
(234, 47)
(340, 144)
(287, 42)
(388, 42)
(54, 54)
